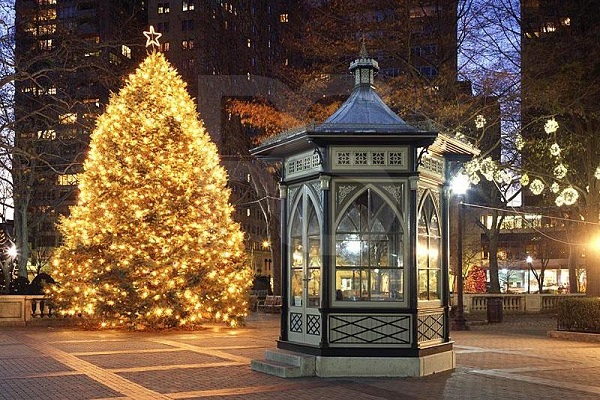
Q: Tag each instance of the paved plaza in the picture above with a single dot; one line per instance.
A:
(512, 360)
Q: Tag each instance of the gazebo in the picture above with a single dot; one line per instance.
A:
(364, 226)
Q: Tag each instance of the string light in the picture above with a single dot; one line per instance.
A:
(151, 242)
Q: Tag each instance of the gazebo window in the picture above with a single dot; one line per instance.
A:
(305, 248)
(369, 256)
(428, 252)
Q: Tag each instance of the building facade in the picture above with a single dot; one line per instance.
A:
(69, 56)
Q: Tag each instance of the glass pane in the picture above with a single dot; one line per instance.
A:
(297, 256)
(423, 284)
(351, 222)
(348, 249)
(434, 252)
(434, 284)
(296, 287)
(379, 254)
(314, 287)
(422, 252)
(396, 284)
(296, 228)
(350, 284)
(313, 221)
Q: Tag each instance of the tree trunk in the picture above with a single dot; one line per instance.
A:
(493, 257)
(6, 267)
(573, 277)
(592, 271)
(22, 232)
(274, 227)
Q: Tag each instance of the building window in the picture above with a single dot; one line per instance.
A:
(163, 8)
(429, 249)
(67, 12)
(68, 118)
(187, 25)
(164, 47)
(45, 44)
(189, 64)
(369, 251)
(428, 71)
(126, 51)
(188, 5)
(67, 179)
(187, 44)
(283, 18)
(163, 27)
(48, 134)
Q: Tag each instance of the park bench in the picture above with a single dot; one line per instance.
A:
(271, 304)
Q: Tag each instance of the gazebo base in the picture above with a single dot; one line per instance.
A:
(287, 364)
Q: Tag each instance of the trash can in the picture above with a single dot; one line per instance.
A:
(494, 309)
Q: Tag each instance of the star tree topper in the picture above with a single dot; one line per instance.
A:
(152, 37)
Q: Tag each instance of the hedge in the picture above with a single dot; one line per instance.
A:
(579, 314)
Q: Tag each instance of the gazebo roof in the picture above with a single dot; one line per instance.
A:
(365, 111)
(362, 115)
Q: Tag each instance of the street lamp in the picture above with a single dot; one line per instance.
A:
(529, 261)
(459, 185)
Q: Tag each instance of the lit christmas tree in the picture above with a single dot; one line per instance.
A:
(151, 241)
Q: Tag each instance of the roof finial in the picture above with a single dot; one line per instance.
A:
(363, 49)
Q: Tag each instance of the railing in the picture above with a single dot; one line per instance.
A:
(513, 303)
(21, 309)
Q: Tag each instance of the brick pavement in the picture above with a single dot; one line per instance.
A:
(512, 360)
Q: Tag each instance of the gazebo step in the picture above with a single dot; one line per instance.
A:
(285, 364)
(277, 369)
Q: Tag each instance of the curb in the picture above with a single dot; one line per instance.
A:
(575, 336)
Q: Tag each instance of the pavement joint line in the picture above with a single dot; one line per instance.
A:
(538, 381)
(100, 375)
(86, 341)
(177, 366)
(203, 350)
(115, 352)
(40, 375)
(245, 390)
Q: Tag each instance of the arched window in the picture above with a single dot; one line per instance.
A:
(429, 243)
(369, 251)
(305, 257)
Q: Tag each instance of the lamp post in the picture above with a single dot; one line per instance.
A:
(460, 184)
(529, 261)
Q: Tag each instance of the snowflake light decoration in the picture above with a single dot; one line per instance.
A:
(570, 196)
(537, 186)
(560, 171)
(555, 150)
(480, 121)
(551, 126)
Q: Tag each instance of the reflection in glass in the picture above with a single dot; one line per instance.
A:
(369, 263)
(305, 257)
(428, 252)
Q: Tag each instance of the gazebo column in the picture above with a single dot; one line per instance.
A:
(285, 251)
(327, 258)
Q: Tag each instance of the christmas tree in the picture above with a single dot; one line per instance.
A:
(151, 242)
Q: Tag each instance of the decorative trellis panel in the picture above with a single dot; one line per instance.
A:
(360, 158)
(296, 322)
(363, 329)
(430, 327)
(313, 324)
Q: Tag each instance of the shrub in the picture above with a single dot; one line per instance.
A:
(39, 282)
(19, 285)
(579, 314)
